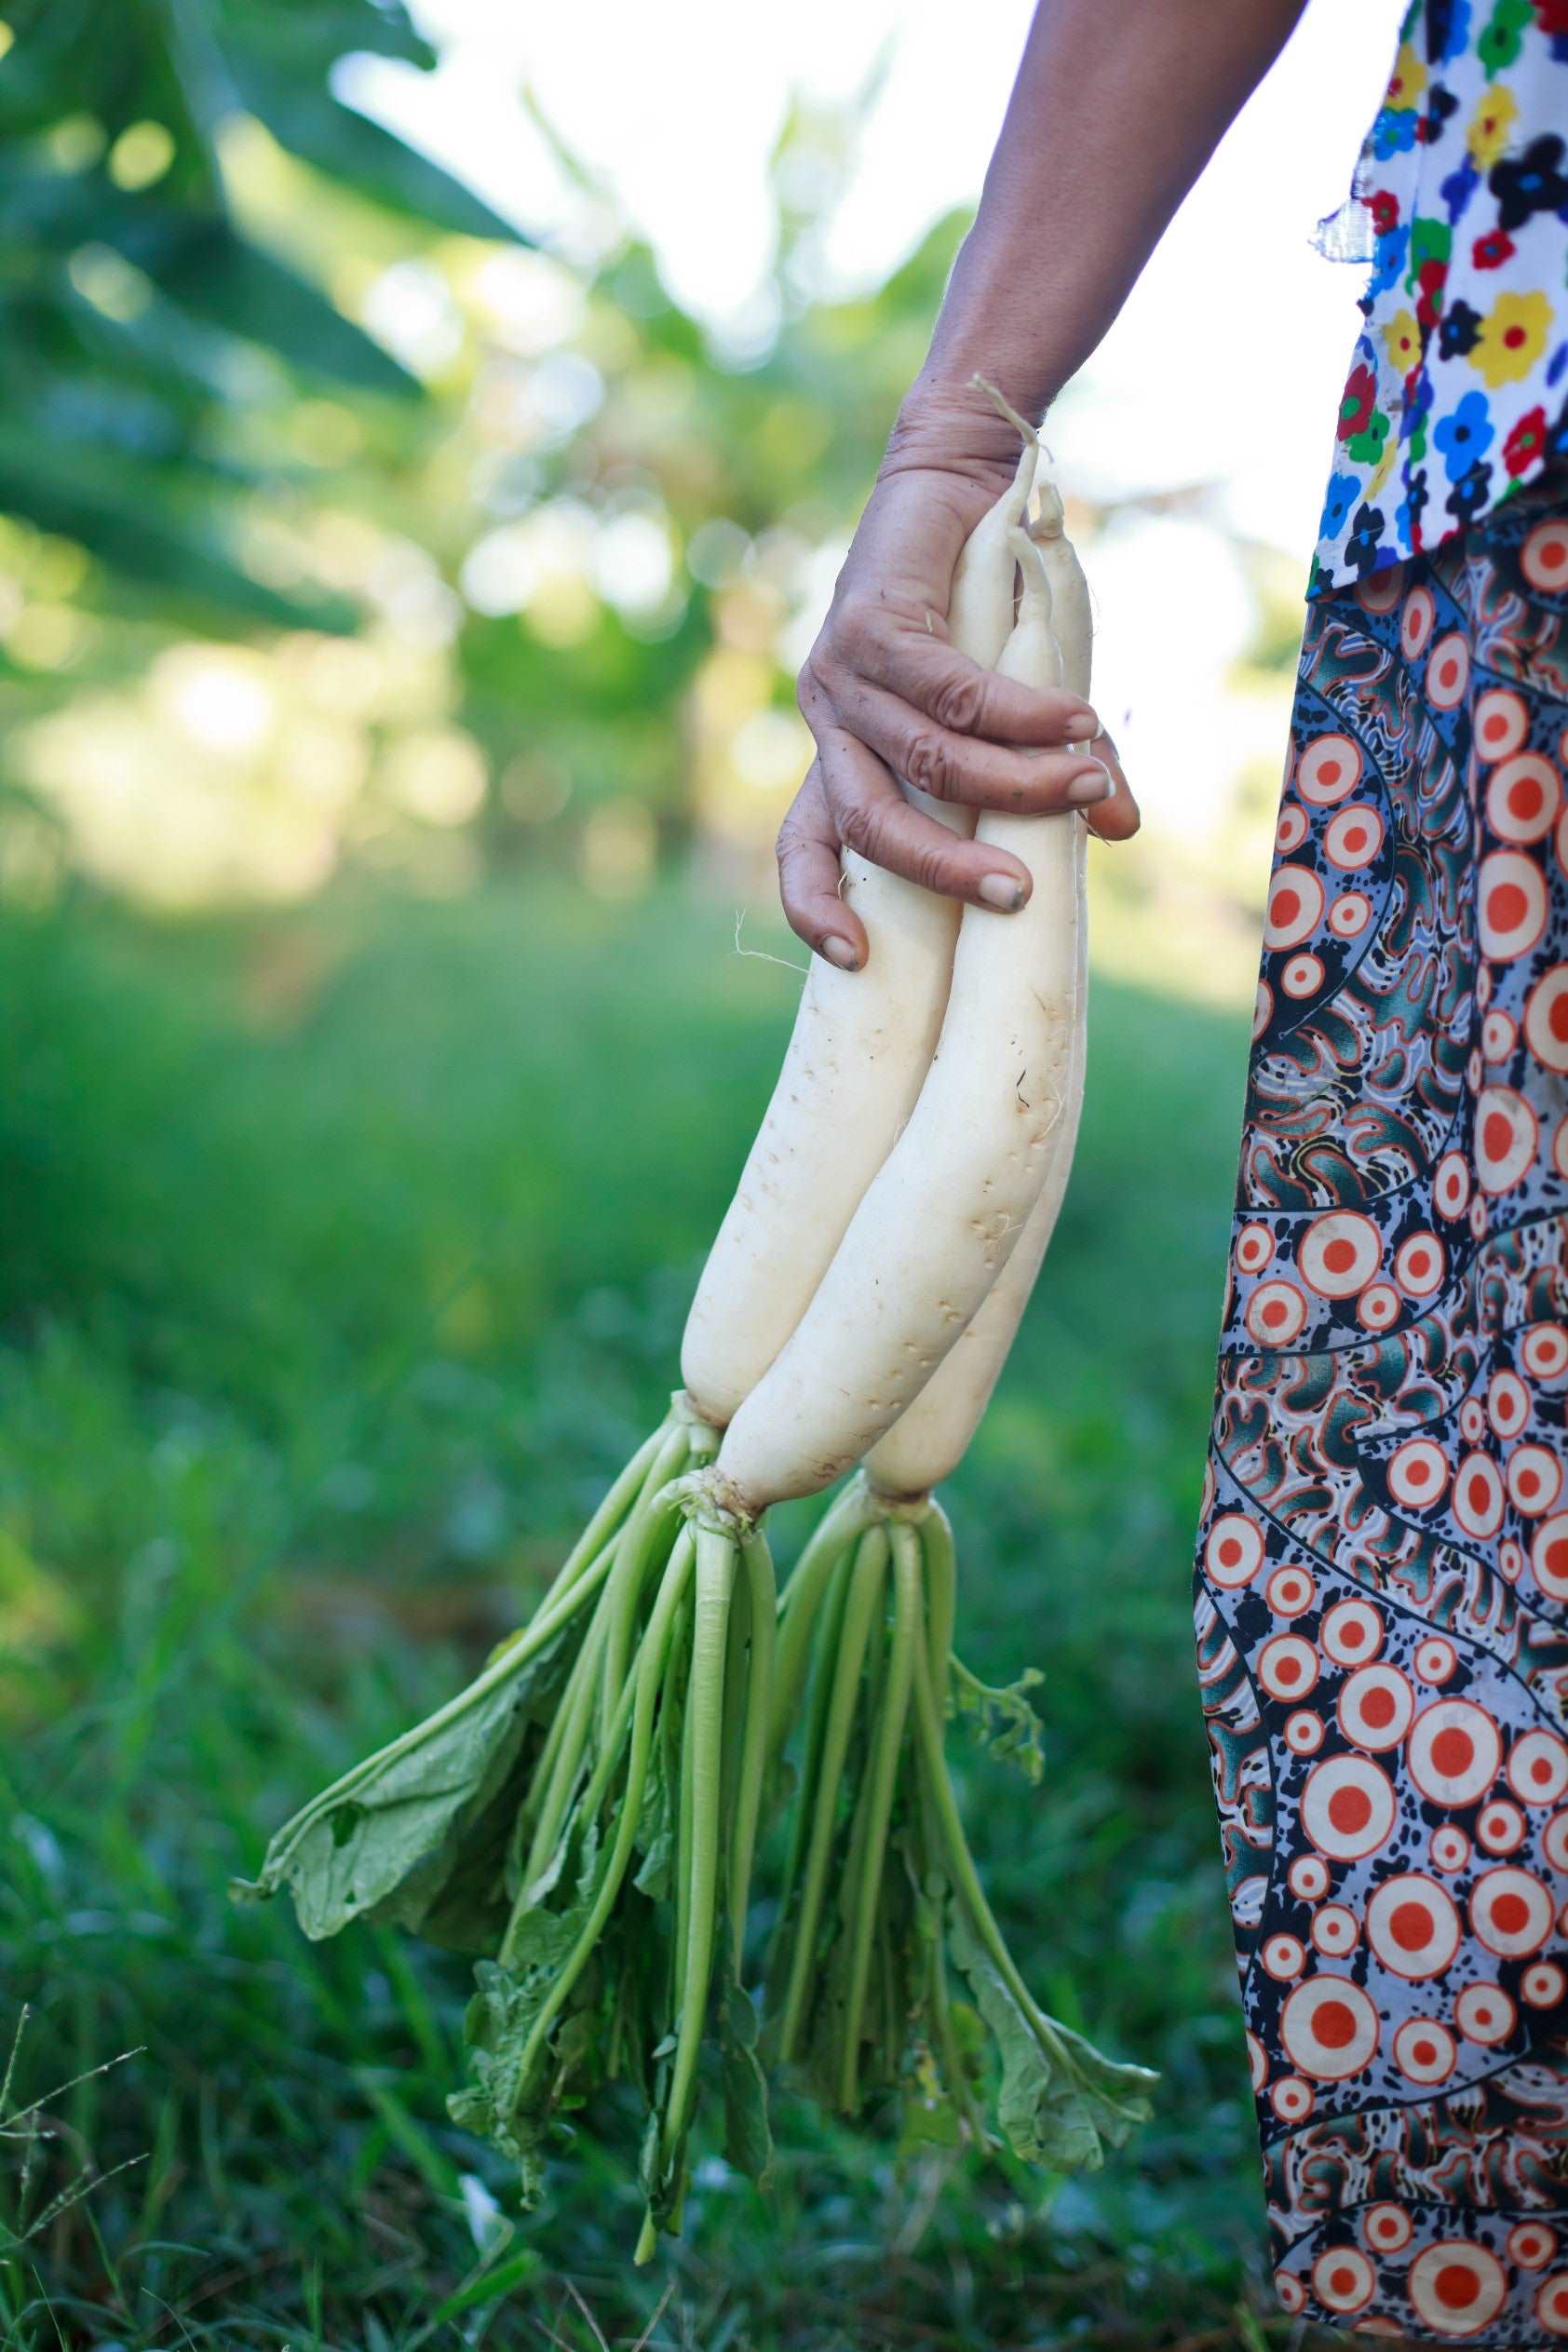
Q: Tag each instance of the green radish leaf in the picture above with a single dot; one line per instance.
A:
(636, 2012)
(943, 2040)
(464, 1908)
(1061, 2101)
(661, 2172)
(546, 1881)
(929, 2117)
(1042, 2116)
(659, 1821)
(517, 2087)
(578, 2059)
(1117, 2092)
(748, 2138)
(1002, 1719)
(416, 1834)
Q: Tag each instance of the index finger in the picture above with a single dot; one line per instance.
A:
(928, 672)
(810, 878)
(1118, 818)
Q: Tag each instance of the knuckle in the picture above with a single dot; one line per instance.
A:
(929, 766)
(872, 829)
(862, 828)
(932, 869)
(1043, 787)
(795, 843)
(854, 626)
(959, 701)
(809, 690)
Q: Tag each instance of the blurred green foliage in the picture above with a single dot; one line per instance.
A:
(348, 1253)
(271, 371)
(149, 336)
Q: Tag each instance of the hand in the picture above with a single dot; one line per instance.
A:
(887, 696)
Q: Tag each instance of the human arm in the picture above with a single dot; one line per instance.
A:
(1116, 107)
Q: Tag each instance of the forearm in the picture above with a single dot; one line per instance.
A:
(1116, 107)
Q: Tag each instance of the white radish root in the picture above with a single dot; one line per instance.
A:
(932, 1435)
(583, 1820)
(859, 1051)
(950, 1204)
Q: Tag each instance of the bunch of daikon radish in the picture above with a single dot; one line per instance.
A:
(585, 1816)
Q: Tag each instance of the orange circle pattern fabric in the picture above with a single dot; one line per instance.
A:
(1382, 1583)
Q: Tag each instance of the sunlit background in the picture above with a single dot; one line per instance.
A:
(583, 578)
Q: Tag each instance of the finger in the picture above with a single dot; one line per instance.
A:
(1118, 818)
(917, 665)
(960, 767)
(871, 814)
(810, 878)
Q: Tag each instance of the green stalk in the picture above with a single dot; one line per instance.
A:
(874, 1676)
(941, 1593)
(685, 1657)
(737, 1668)
(610, 1748)
(799, 1608)
(859, 1878)
(555, 1774)
(633, 1555)
(960, 1862)
(591, 1683)
(603, 1772)
(887, 1981)
(952, 2067)
(593, 1797)
(558, 1768)
(888, 1743)
(762, 1610)
(585, 1667)
(862, 1603)
(650, 1669)
(829, 1629)
(542, 1631)
(608, 1515)
(704, 1725)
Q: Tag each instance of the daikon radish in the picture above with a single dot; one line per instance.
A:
(860, 1048)
(932, 1435)
(942, 1216)
(879, 1912)
(885, 1947)
(583, 1819)
(612, 1754)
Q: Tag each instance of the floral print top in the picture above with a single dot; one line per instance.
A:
(1458, 387)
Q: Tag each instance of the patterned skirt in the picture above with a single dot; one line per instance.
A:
(1382, 1584)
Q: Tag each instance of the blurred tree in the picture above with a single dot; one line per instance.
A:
(273, 373)
(142, 323)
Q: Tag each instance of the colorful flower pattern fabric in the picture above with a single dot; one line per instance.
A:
(1382, 1583)
(1457, 394)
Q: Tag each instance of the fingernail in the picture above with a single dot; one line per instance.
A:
(1093, 785)
(839, 952)
(1081, 722)
(1000, 891)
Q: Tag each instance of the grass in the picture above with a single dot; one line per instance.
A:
(347, 1255)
